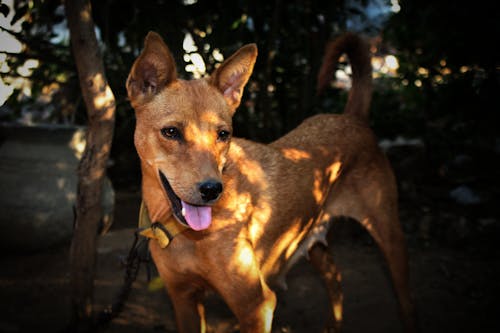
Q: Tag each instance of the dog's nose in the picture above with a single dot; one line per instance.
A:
(210, 190)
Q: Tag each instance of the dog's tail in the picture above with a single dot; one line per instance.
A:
(357, 49)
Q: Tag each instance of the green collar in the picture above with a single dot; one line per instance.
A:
(163, 233)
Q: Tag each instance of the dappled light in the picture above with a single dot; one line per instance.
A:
(338, 310)
(298, 238)
(260, 218)
(245, 262)
(85, 14)
(103, 99)
(319, 185)
(366, 222)
(241, 206)
(295, 155)
(77, 143)
(279, 247)
(323, 180)
(267, 312)
(252, 170)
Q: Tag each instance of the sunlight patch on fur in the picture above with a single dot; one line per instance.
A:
(295, 155)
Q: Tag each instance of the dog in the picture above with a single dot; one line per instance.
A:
(235, 215)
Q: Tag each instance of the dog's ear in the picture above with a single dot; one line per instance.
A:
(152, 70)
(232, 76)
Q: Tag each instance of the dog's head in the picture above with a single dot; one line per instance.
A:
(183, 130)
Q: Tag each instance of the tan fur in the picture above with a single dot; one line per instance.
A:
(277, 200)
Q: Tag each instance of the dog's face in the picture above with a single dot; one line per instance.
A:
(183, 130)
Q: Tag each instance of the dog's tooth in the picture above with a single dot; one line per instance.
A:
(183, 211)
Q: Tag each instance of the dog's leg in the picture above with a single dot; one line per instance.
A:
(258, 316)
(322, 260)
(254, 309)
(189, 311)
(186, 298)
(374, 205)
(242, 286)
(379, 216)
(390, 239)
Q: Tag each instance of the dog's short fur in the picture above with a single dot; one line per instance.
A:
(253, 209)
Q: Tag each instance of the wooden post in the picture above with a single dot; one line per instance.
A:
(100, 104)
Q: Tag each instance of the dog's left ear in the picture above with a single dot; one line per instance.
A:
(152, 70)
(232, 76)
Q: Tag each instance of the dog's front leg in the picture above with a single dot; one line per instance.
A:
(243, 288)
(189, 311)
(256, 315)
(186, 295)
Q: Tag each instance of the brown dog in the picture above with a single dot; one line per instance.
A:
(249, 210)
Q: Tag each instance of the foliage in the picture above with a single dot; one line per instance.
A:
(290, 36)
(445, 91)
(53, 75)
(449, 76)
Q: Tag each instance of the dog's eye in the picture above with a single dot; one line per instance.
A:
(223, 135)
(171, 132)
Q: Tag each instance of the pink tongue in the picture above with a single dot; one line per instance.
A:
(198, 217)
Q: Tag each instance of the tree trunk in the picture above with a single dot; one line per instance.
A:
(100, 104)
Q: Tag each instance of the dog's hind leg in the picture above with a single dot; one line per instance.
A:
(322, 260)
(379, 215)
(374, 205)
(389, 237)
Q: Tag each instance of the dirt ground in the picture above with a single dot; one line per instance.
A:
(454, 263)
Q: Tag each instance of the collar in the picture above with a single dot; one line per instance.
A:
(162, 232)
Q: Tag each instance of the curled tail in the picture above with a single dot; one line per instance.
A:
(357, 50)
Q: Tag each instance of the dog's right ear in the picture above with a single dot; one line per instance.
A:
(152, 70)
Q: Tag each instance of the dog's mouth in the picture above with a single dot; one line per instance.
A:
(192, 216)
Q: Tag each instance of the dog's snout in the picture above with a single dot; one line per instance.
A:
(210, 190)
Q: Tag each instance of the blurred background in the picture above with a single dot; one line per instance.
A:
(435, 68)
(435, 108)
